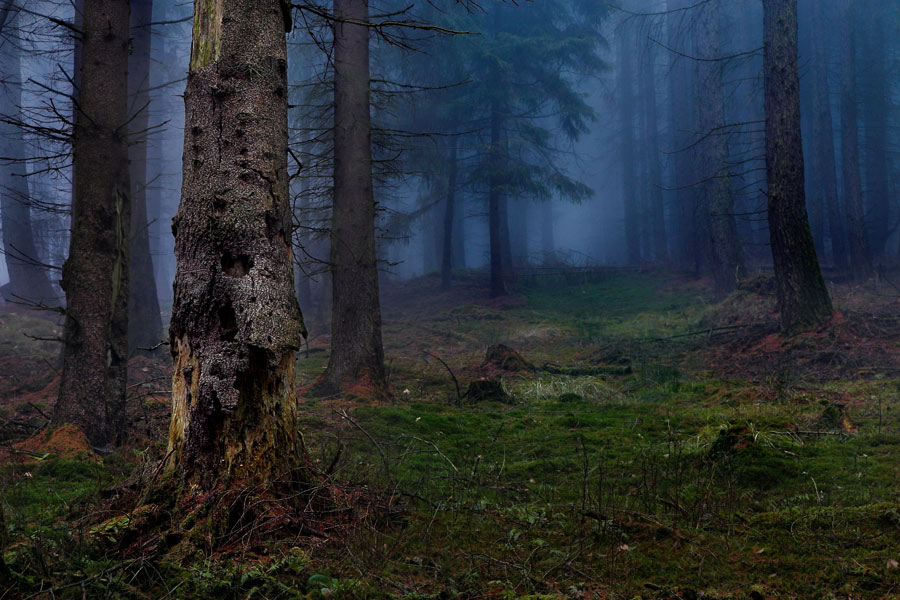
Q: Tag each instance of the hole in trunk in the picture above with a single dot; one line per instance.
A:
(236, 265)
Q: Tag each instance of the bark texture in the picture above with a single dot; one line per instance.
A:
(144, 319)
(27, 279)
(802, 296)
(714, 190)
(235, 320)
(95, 274)
(858, 240)
(357, 354)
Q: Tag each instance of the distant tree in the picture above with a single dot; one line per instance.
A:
(235, 320)
(860, 255)
(714, 189)
(656, 217)
(357, 353)
(28, 281)
(144, 318)
(823, 138)
(626, 69)
(95, 275)
(802, 296)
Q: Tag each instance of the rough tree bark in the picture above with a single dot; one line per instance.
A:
(715, 191)
(823, 139)
(95, 274)
(357, 354)
(144, 318)
(235, 320)
(860, 257)
(28, 281)
(802, 296)
(449, 210)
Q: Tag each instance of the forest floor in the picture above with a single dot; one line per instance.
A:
(655, 445)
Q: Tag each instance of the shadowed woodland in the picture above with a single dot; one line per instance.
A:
(369, 299)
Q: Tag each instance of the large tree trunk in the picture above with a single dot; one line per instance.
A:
(860, 257)
(95, 275)
(823, 139)
(28, 281)
(145, 321)
(714, 190)
(802, 297)
(625, 95)
(357, 354)
(449, 217)
(235, 320)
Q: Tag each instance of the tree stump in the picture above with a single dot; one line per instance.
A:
(504, 358)
(486, 390)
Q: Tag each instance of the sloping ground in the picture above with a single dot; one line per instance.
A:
(661, 447)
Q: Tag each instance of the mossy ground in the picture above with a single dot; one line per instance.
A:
(679, 477)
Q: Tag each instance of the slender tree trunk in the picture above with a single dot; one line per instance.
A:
(624, 79)
(459, 231)
(823, 137)
(715, 190)
(860, 257)
(27, 279)
(655, 206)
(802, 296)
(449, 209)
(145, 321)
(95, 275)
(680, 119)
(875, 103)
(548, 244)
(235, 320)
(357, 355)
(498, 273)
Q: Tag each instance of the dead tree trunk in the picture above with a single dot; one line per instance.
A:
(144, 319)
(235, 320)
(860, 257)
(714, 189)
(95, 274)
(357, 354)
(28, 281)
(802, 297)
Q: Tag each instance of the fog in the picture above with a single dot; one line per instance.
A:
(615, 122)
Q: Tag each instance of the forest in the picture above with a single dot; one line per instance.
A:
(449, 299)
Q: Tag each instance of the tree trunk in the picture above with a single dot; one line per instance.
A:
(875, 103)
(357, 354)
(823, 138)
(235, 320)
(144, 319)
(27, 279)
(860, 258)
(714, 190)
(802, 297)
(495, 183)
(680, 111)
(449, 209)
(626, 144)
(95, 274)
(548, 244)
(655, 206)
